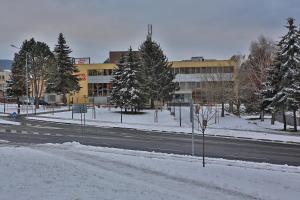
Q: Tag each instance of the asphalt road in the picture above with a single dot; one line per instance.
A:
(39, 132)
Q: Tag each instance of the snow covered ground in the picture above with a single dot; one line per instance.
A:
(229, 126)
(73, 171)
(10, 108)
(2, 121)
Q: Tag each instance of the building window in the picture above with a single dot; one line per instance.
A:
(99, 72)
(99, 89)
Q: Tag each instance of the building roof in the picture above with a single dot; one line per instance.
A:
(175, 64)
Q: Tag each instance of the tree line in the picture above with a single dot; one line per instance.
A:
(269, 79)
(42, 68)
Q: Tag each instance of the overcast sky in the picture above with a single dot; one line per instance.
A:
(184, 28)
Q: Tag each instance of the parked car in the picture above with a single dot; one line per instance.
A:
(42, 102)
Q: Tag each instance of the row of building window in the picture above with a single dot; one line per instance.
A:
(194, 85)
(186, 70)
(99, 72)
(104, 89)
(197, 70)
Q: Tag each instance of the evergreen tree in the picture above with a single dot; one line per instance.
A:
(271, 87)
(126, 91)
(132, 91)
(156, 73)
(283, 85)
(16, 86)
(63, 80)
(117, 83)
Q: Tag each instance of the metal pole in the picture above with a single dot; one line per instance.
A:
(174, 106)
(203, 152)
(81, 124)
(26, 71)
(4, 102)
(180, 112)
(192, 112)
(84, 123)
(121, 116)
(94, 109)
(69, 103)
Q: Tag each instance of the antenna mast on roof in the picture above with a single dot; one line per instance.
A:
(149, 31)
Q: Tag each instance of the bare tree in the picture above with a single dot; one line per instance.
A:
(206, 110)
(238, 84)
(220, 85)
(254, 70)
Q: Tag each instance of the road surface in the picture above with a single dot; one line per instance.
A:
(39, 132)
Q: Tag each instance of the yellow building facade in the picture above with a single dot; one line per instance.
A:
(95, 79)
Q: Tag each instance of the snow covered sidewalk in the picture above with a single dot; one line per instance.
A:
(74, 171)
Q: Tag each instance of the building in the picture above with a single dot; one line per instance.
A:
(4, 76)
(200, 78)
(192, 76)
(114, 56)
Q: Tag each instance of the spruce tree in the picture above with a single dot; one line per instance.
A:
(283, 84)
(126, 91)
(63, 80)
(16, 84)
(156, 73)
(133, 93)
(117, 83)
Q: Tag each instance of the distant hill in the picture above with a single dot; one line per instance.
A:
(5, 64)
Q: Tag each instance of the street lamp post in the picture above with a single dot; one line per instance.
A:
(180, 111)
(26, 77)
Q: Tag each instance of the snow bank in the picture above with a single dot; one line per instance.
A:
(74, 171)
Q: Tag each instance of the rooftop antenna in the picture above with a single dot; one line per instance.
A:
(149, 31)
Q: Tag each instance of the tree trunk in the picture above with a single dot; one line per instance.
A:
(283, 118)
(238, 107)
(262, 115)
(222, 111)
(295, 119)
(64, 99)
(231, 107)
(273, 118)
(37, 102)
(18, 102)
(152, 103)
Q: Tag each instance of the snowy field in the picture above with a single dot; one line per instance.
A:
(229, 126)
(73, 171)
